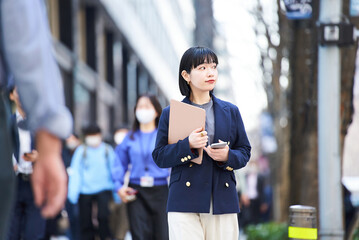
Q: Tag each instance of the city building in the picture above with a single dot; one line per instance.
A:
(110, 51)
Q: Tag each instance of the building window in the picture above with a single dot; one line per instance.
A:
(109, 58)
(91, 59)
(66, 30)
(53, 12)
(81, 18)
(125, 57)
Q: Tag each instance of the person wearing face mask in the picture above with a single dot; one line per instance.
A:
(90, 181)
(147, 191)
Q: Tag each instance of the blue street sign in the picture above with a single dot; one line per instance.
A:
(298, 9)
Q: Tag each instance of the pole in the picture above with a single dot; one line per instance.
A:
(330, 189)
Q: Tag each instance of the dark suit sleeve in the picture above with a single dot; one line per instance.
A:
(15, 137)
(240, 150)
(170, 155)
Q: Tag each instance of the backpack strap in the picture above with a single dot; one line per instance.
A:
(107, 147)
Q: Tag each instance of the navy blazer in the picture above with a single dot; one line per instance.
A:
(192, 186)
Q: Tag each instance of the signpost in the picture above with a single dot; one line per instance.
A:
(298, 9)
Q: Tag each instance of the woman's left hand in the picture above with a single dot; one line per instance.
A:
(219, 154)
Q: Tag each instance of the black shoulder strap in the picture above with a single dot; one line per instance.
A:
(107, 157)
(84, 153)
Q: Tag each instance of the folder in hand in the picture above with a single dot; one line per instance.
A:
(184, 118)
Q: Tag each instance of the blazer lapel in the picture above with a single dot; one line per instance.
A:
(222, 121)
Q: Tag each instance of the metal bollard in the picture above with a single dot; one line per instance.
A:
(302, 222)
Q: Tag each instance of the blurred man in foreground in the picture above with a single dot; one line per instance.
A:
(26, 52)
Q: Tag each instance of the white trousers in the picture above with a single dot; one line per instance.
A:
(202, 226)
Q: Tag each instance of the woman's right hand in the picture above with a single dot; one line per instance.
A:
(125, 193)
(198, 138)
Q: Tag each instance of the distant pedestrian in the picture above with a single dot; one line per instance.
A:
(203, 201)
(146, 195)
(26, 221)
(253, 200)
(90, 183)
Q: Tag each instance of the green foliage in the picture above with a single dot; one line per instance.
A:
(356, 235)
(267, 231)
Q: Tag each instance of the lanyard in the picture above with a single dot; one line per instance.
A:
(146, 153)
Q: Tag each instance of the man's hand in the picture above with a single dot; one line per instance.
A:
(31, 157)
(49, 180)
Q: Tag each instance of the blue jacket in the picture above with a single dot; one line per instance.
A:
(133, 151)
(193, 186)
(90, 171)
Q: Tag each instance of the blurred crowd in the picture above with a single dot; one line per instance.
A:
(113, 188)
(255, 193)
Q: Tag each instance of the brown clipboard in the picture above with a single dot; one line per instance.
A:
(184, 118)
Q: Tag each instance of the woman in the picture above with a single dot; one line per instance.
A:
(203, 202)
(146, 194)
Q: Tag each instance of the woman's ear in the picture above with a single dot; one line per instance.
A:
(185, 76)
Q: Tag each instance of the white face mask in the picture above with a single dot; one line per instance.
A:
(119, 137)
(93, 141)
(72, 145)
(145, 115)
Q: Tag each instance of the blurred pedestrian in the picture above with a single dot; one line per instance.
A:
(26, 52)
(26, 220)
(90, 183)
(203, 201)
(68, 150)
(119, 135)
(253, 200)
(146, 194)
(118, 217)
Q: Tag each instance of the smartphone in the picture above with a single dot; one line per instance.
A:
(218, 145)
(131, 195)
(133, 192)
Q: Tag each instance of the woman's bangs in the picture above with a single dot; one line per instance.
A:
(204, 56)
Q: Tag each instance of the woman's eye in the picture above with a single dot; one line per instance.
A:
(214, 67)
(202, 68)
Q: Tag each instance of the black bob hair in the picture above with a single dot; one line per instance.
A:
(91, 129)
(193, 57)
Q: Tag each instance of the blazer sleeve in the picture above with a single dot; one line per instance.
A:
(240, 150)
(170, 155)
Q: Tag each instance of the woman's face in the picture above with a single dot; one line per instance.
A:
(203, 77)
(145, 111)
